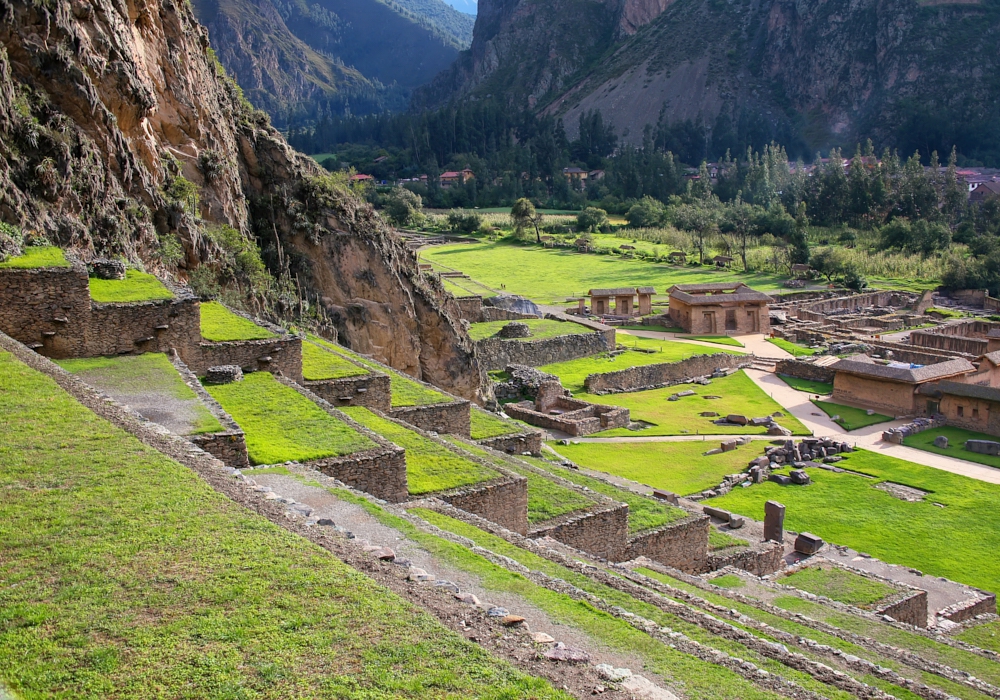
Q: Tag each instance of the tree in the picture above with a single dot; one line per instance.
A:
(701, 219)
(591, 219)
(738, 223)
(523, 215)
(646, 213)
(464, 221)
(829, 262)
(403, 206)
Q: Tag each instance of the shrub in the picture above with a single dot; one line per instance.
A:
(464, 221)
(591, 219)
(403, 207)
(11, 241)
(646, 213)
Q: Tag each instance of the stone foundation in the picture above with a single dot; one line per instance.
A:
(682, 545)
(759, 560)
(985, 604)
(47, 309)
(660, 375)
(555, 411)
(371, 391)
(450, 418)
(493, 313)
(518, 444)
(470, 308)
(502, 501)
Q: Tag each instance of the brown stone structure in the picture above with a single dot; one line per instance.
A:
(804, 370)
(712, 309)
(496, 353)
(967, 406)
(503, 501)
(372, 390)
(645, 296)
(600, 301)
(774, 521)
(516, 444)
(682, 544)
(663, 374)
(450, 417)
(554, 410)
(890, 387)
(972, 337)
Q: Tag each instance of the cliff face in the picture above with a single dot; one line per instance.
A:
(106, 103)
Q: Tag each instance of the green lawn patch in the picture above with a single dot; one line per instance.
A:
(645, 513)
(956, 444)
(807, 385)
(318, 363)
(985, 636)
(717, 539)
(738, 394)
(37, 257)
(726, 581)
(838, 584)
(219, 325)
(282, 425)
(572, 373)
(430, 466)
(137, 286)
(140, 581)
(794, 349)
(486, 425)
(716, 339)
(675, 466)
(847, 509)
(850, 418)
(541, 329)
(658, 329)
(141, 381)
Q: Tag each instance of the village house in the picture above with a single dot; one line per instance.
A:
(600, 301)
(710, 309)
(984, 191)
(361, 177)
(892, 387)
(967, 406)
(456, 177)
(575, 175)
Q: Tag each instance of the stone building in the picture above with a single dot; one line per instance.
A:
(553, 410)
(892, 387)
(600, 301)
(968, 406)
(710, 309)
(645, 300)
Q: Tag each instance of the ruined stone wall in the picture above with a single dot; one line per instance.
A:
(470, 308)
(47, 309)
(602, 533)
(682, 544)
(909, 607)
(283, 354)
(496, 353)
(894, 398)
(759, 561)
(450, 418)
(818, 310)
(902, 352)
(149, 326)
(493, 313)
(966, 610)
(804, 370)
(528, 441)
(949, 341)
(502, 501)
(660, 375)
(371, 391)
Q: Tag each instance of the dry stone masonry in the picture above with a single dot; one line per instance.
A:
(665, 374)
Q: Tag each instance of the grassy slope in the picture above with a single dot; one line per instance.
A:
(675, 466)
(850, 418)
(137, 286)
(956, 444)
(807, 385)
(319, 363)
(795, 349)
(986, 636)
(139, 374)
(430, 466)
(739, 395)
(486, 425)
(35, 257)
(219, 324)
(541, 329)
(838, 584)
(551, 275)
(847, 509)
(281, 424)
(127, 576)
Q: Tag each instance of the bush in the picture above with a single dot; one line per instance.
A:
(591, 219)
(11, 241)
(646, 213)
(403, 207)
(464, 221)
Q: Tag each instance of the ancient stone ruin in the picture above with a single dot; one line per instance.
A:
(553, 410)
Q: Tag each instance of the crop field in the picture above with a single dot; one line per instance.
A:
(541, 329)
(956, 444)
(219, 324)
(137, 286)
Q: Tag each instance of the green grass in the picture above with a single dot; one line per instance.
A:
(125, 575)
(319, 363)
(947, 313)
(658, 329)
(572, 373)
(794, 349)
(847, 509)
(675, 466)
(850, 418)
(430, 466)
(282, 425)
(716, 339)
(838, 584)
(644, 513)
(718, 540)
(541, 329)
(142, 375)
(546, 498)
(956, 444)
(807, 385)
(47, 256)
(219, 325)
(137, 286)
(725, 581)
(486, 425)
(984, 636)
(739, 395)
(552, 275)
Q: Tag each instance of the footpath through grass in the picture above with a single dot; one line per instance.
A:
(807, 385)
(37, 257)
(838, 584)
(282, 425)
(137, 286)
(430, 466)
(219, 325)
(319, 363)
(847, 509)
(850, 418)
(675, 466)
(541, 329)
(956, 444)
(125, 575)
(794, 349)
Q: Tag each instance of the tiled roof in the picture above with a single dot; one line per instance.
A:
(698, 294)
(617, 291)
(993, 357)
(867, 367)
(646, 290)
(972, 391)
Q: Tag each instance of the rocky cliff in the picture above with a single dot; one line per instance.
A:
(120, 135)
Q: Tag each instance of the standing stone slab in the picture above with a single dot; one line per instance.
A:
(774, 521)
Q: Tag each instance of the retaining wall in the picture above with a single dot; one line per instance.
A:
(909, 607)
(149, 326)
(818, 310)
(528, 441)
(470, 308)
(503, 501)
(47, 309)
(371, 391)
(966, 610)
(804, 370)
(954, 339)
(493, 313)
(602, 533)
(497, 353)
(759, 561)
(682, 545)
(450, 418)
(660, 375)
(282, 354)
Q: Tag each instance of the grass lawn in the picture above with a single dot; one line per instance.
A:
(739, 395)
(572, 373)
(282, 425)
(551, 275)
(319, 363)
(137, 286)
(985, 636)
(141, 381)
(658, 329)
(219, 325)
(847, 509)
(850, 418)
(36, 257)
(675, 466)
(644, 513)
(794, 349)
(717, 539)
(486, 425)
(126, 576)
(956, 444)
(724, 581)
(541, 328)
(838, 584)
(430, 466)
(807, 385)
(716, 339)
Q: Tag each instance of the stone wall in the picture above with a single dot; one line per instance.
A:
(47, 309)
(496, 353)
(470, 308)
(985, 604)
(893, 398)
(450, 418)
(909, 607)
(517, 444)
(941, 340)
(660, 375)
(579, 417)
(759, 560)
(682, 544)
(602, 533)
(282, 354)
(818, 310)
(503, 501)
(371, 391)
(804, 370)
(493, 313)
(149, 326)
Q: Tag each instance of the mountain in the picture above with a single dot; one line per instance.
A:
(296, 59)
(469, 7)
(122, 136)
(812, 74)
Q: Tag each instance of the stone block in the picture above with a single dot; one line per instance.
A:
(766, 420)
(708, 414)
(778, 430)
(983, 447)
(735, 521)
(798, 476)
(941, 441)
(662, 495)
(728, 445)
(808, 543)
(737, 419)
(779, 479)
(715, 451)
(514, 329)
(719, 513)
(774, 521)
(104, 269)
(224, 374)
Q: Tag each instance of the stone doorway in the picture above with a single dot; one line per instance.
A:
(730, 319)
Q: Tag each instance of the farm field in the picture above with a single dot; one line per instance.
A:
(956, 441)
